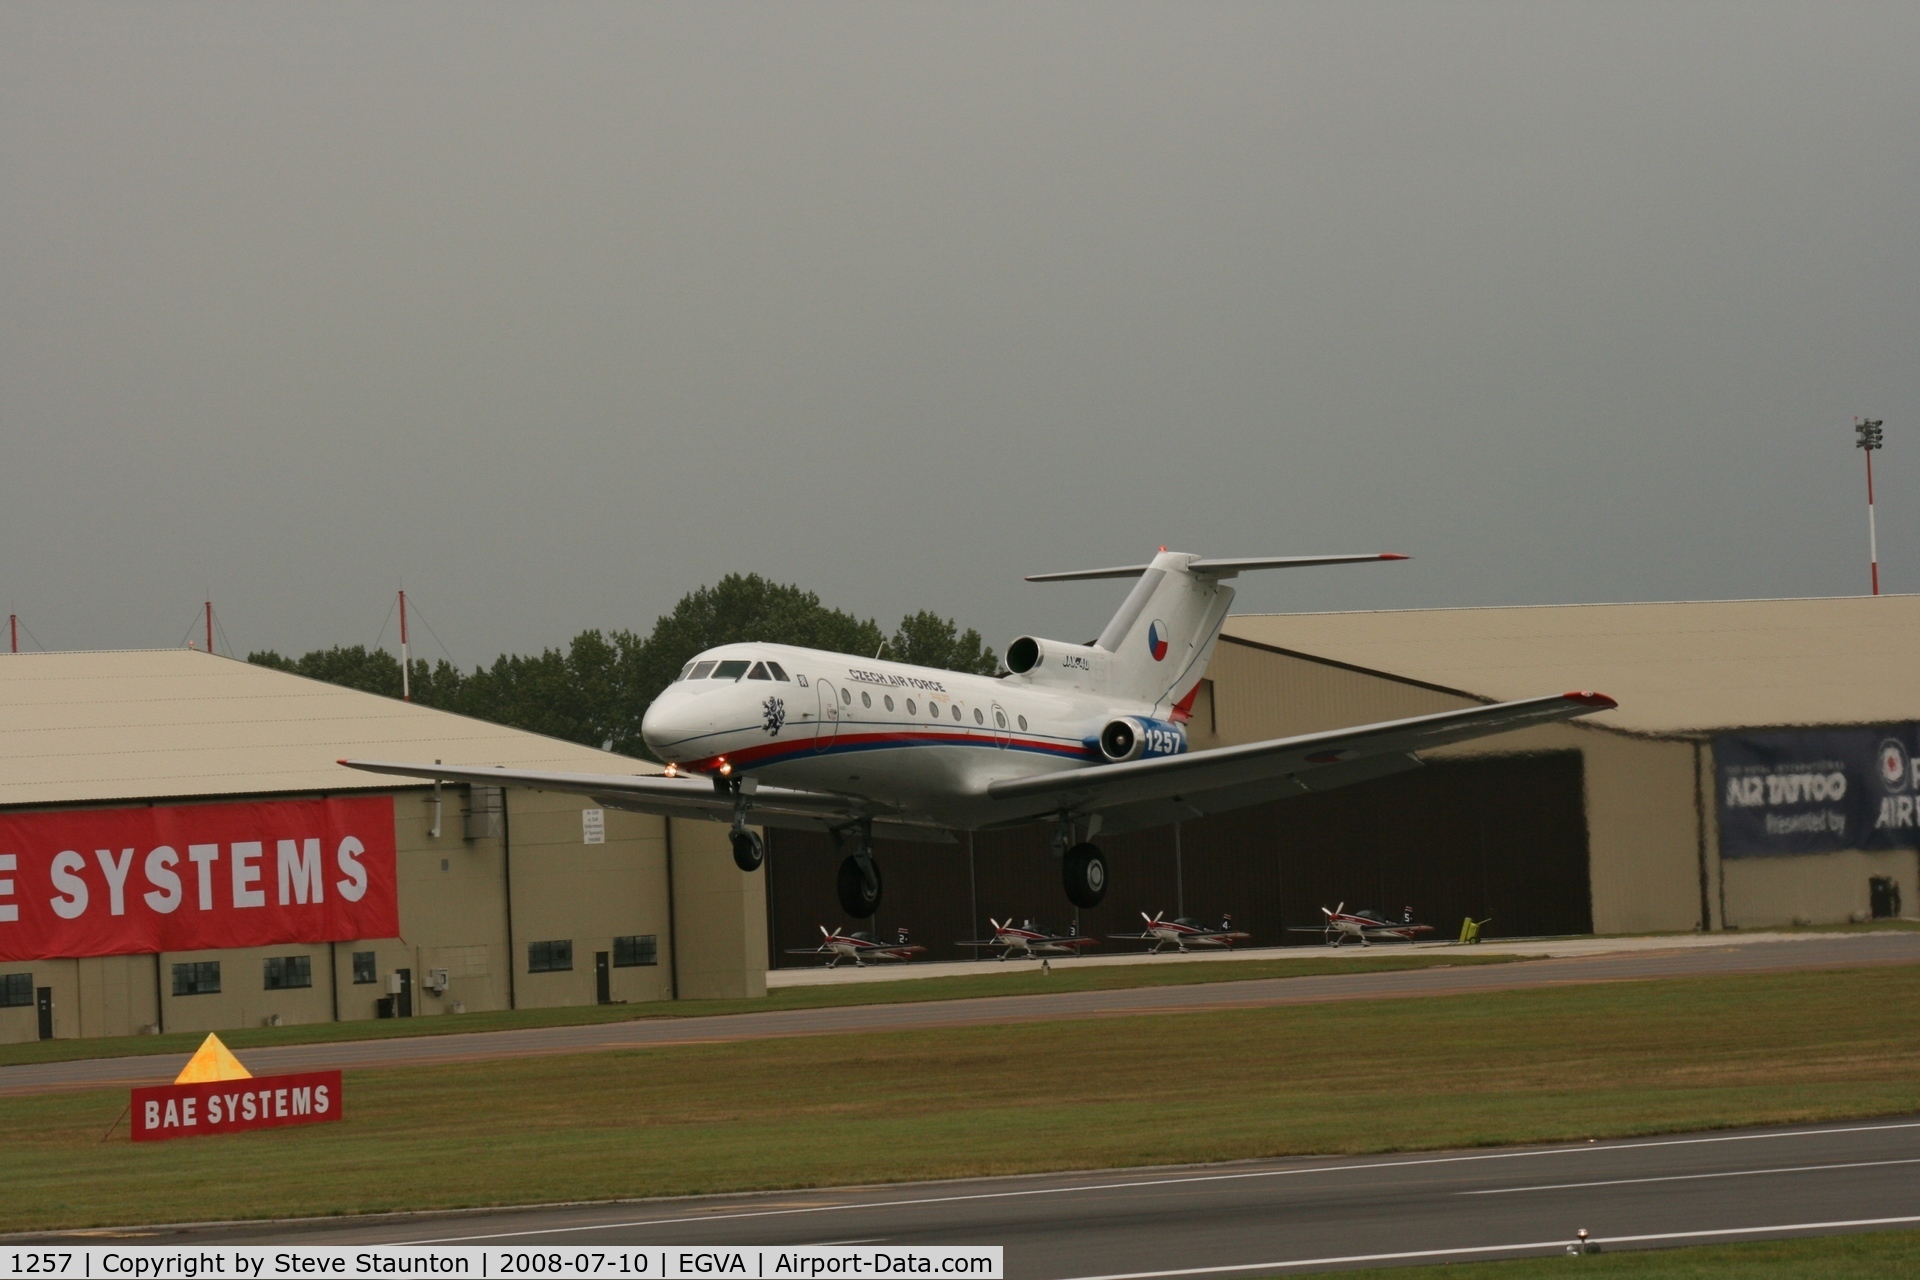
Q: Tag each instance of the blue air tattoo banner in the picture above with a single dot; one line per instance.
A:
(1818, 790)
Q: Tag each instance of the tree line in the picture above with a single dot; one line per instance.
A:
(596, 690)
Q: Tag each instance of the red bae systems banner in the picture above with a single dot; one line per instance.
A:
(106, 882)
(230, 1106)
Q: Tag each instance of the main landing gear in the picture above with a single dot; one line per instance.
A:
(1083, 868)
(859, 880)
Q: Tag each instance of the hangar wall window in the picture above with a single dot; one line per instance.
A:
(197, 978)
(730, 670)
(284, 973)
(701, 670)
(550, 957)
(363, 967)
(16, 990)
(632, 952)
(779, 672)
(759, 672)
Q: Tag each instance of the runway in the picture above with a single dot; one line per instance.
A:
(1821, 952)
(1281, 1215)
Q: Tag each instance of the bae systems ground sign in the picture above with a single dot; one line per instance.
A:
(1818, 790)
(164, 1111)
(105, 882)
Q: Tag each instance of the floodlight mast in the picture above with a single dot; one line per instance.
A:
(1867, 437)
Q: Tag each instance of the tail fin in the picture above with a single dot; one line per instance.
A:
(1164, 634)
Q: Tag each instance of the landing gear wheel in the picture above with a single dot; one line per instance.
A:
(749, 851)
(859, 886)
(1085, 872)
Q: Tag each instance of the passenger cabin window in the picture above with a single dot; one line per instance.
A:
(1023, 724)
(779, 672)
(911, 709)
(1000, 719)
(956, 711)
(888, 699)
(759, 672)
(846, 697)
(700, 670)
(730, 670)
(866, 699)
(977, 717)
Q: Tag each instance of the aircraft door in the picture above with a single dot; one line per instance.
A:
(827, 725)
(1002, 732)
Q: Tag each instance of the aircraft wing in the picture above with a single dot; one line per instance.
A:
(1142, 793)
(670, 797)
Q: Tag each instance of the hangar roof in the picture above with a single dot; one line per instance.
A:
(1675, 668)
(148, 724)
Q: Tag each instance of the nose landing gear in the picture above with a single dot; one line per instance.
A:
(749, 851)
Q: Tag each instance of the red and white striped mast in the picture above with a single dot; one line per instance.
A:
(1867, 436)
(406, 676)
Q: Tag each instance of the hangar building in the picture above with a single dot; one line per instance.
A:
(1759, 770)
(179, 851)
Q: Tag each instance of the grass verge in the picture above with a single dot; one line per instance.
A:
(1023, 981)
(1889, 1253)
(1550, 1064)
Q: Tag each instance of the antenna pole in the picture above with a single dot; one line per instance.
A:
(13, 630)
(406, 676)
(209, 626)
(1868, 436)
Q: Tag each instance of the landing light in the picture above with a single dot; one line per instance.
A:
(672, 770)
(726, 769)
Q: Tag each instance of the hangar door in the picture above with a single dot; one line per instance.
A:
(1498, 836)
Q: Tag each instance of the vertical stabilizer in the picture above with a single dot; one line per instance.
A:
(1163, 635)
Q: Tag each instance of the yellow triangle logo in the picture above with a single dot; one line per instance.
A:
(213, 1061)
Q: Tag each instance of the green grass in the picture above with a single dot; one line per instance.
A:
(1891, 1253)
(1027, 979)
(1562, 1063)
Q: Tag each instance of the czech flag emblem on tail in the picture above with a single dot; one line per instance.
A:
(1157, 639)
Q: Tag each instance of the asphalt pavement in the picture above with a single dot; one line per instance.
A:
(1819, 952)
(1253, 1216)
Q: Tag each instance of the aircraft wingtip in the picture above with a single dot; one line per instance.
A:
(1394, 555)
(1598, 701)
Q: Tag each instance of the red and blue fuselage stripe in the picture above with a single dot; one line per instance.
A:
(849, 741)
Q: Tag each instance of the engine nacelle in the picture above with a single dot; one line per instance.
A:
(1140, 738)
(1054, 662)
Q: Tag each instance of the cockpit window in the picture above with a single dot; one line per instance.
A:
(759, 672)
(683, 673)
(779, 672)
(700, 670)
(731, 670)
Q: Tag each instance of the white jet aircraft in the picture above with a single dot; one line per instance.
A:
(1083, 738)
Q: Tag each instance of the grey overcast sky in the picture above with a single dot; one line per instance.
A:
(555, 312)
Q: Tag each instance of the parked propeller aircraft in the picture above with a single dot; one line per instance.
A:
(1183, 933)
(1028, 943)
(1086, 739)
(858, 947)
(1365, 925)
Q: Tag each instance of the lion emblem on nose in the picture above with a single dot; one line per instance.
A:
(773, 714)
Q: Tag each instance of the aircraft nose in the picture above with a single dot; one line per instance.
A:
(670, 723)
